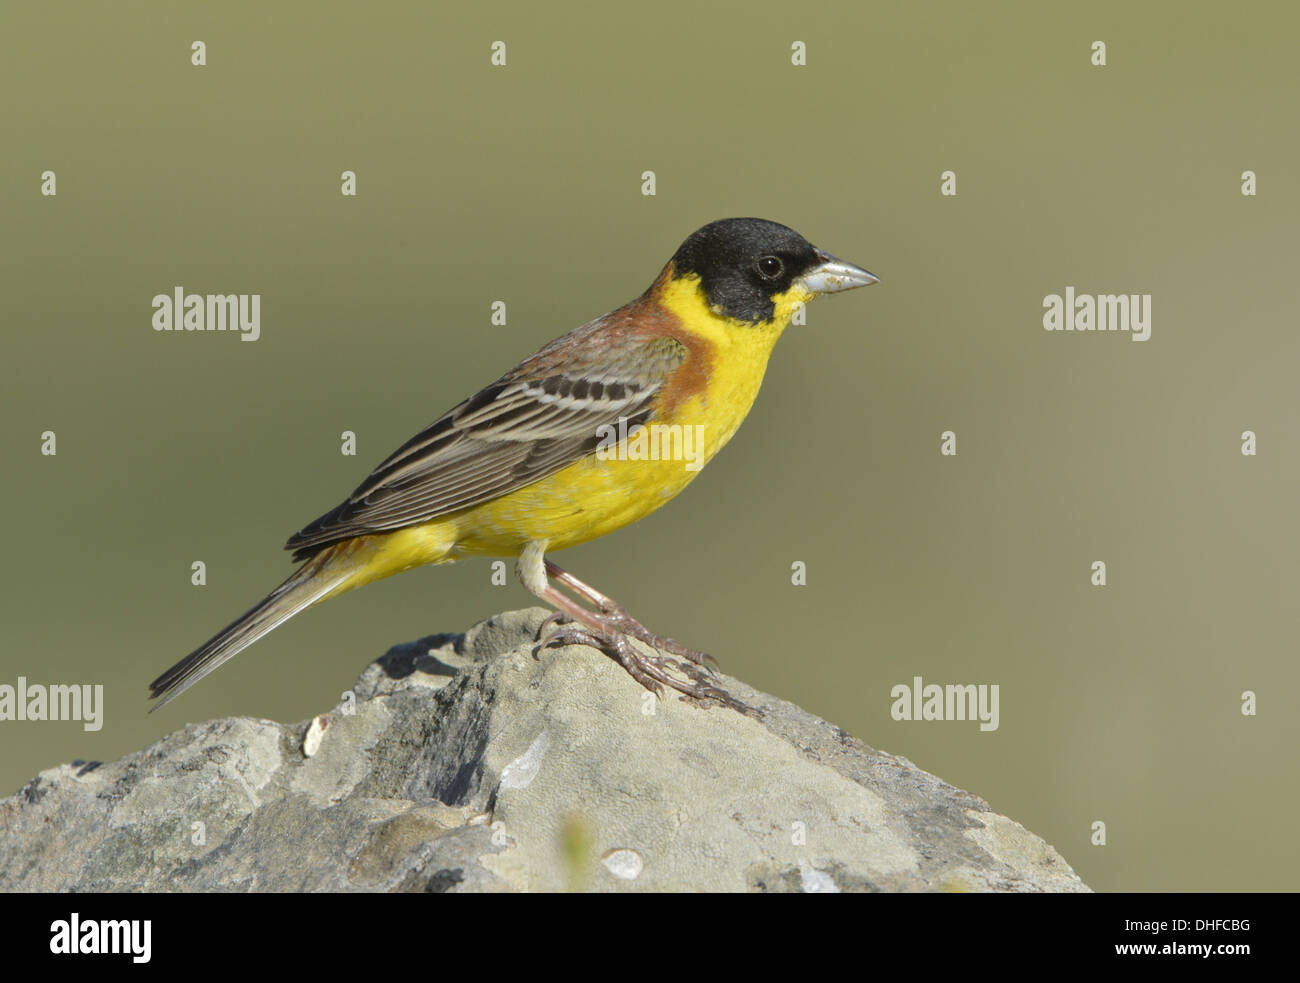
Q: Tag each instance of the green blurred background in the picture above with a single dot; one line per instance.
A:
(523, 183)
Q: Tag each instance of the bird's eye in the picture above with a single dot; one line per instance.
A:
(770, 267)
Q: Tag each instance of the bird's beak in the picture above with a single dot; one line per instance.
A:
(832, 275)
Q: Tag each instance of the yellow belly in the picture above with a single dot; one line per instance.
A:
(585, 500)
(596, 496)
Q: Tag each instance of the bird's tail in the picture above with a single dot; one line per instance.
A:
(310, 583)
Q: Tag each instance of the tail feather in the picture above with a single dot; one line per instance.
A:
(307, 586)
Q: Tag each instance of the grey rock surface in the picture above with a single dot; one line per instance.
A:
(469, 763)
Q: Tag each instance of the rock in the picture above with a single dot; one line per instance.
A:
(467, 763)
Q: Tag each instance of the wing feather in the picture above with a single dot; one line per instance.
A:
(536, 420)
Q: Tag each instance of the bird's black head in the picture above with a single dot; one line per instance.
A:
(744, 264)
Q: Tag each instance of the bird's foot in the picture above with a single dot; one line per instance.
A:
(613, 617)
(651, 671)
(616, 616)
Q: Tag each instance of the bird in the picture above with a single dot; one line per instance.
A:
(592, 432)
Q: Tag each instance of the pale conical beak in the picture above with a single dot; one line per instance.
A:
(832, 275)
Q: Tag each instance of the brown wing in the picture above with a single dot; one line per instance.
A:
(537, 419)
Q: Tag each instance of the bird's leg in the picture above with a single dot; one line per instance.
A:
(608, 630)
(616, 616)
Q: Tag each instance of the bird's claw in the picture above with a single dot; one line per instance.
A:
(614, 618)
(648, 670)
